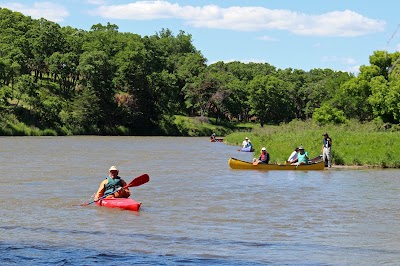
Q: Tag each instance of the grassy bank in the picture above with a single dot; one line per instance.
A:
(352, 144)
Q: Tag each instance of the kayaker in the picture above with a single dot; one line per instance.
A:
(264, 156)
(302, 157)
(113, 183)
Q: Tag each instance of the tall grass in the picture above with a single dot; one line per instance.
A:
(352, 144)
(10, 126)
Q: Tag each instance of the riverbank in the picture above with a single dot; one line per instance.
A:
(353, 145)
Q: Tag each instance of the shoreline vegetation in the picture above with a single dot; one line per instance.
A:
(354, 145)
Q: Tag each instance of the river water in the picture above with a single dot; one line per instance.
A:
(195, 211)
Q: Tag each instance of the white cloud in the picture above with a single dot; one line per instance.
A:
(96, 2)
(354, 69)
(342, 60)
(316, 45)
(47, 10)
(345, 23)
(267, 38)
(348, 64)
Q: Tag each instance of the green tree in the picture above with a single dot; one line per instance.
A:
(97, 74)
(327, 114)
(352, 99)
(268, 99)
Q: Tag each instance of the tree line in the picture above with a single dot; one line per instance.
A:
(103, 81)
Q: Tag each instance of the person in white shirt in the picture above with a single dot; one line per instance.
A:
(246, 143)
(293, 156)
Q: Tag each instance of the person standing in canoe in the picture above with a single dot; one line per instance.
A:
(113, 185)
(302, 157)
(326, 149)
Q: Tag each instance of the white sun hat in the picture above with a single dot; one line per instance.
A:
(113, 168)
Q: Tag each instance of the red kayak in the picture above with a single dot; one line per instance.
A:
(122, 203)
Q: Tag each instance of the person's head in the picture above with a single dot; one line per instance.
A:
(263, 150)
(246, 138)
(325, 135)
(296, 149)
(301, 149)
(113, 171)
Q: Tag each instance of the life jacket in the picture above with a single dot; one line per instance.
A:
(264, 157)
(302, 158)
(112, 185)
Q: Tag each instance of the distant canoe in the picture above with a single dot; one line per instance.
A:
(247, 149)
(239, 164)
(217, 140)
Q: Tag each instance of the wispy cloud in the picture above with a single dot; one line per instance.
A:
(342, 60)
(345, 23)
(267, 38)
(316, 45)
(348, 64)
(354, 69)
(47, 10)
(96, 2)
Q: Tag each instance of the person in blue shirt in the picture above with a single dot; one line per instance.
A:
(302, 157)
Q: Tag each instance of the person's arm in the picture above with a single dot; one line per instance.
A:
(100, 191)
(123, 192)
(291, 156)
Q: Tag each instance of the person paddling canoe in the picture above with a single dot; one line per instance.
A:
(213, 137)
(302, 157)
(263, 158)
(113, 185)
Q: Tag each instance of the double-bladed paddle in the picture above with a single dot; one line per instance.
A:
(138, 181)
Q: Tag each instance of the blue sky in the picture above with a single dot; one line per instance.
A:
(301, 34)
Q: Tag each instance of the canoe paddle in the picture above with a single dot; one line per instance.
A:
(138, 181)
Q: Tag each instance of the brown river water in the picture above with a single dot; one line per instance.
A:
(195, 211)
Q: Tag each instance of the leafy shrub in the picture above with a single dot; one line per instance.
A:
(327, 114)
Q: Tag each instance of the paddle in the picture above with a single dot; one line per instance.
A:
(256, 162)
(140, 180)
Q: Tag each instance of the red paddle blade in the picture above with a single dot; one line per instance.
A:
(140, 180)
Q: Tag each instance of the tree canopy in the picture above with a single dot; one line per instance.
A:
(103, 81)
